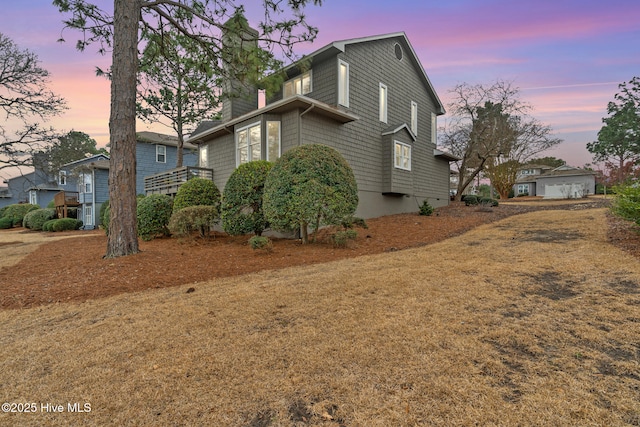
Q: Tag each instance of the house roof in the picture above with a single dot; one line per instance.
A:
(444, 155)
(282, 106)
(336, 47)
(563, 170)
(44, 187)
(160, 138)
(93, 158)
(397, 128)
(98, 164)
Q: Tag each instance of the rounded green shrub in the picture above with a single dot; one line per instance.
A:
(310, 185)
(51, 204)
(197, 192)
(2, 210)
(18, 211)
(261, 243)
(488, 201)
(48, 226)
(35, 219)
(5, 222)
(470, 200)
(66, 224)
(103, 208)
(154, 213)
(193, 218)
(627, 202)
(242, 199)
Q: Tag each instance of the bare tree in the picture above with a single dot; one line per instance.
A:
(204, 22)
(25, 101)
(490, 130)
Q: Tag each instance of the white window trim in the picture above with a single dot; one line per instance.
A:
(294, 81)
(523, 188)
(259, 124)
(383, 105)
(343, 85)
(279, 139)
(87, 184)
(414, 117)
(62, 178)
(395, 157)
(204, 156)
(33, 197)
(158, 153)
(434, 129)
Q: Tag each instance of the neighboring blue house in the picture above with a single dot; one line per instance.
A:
(36, 187)
(155, 153)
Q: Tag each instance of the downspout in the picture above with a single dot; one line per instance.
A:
(93, 197)
(311, 107)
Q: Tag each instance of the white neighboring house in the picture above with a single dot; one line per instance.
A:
(564, 182)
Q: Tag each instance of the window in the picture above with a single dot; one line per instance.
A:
(343, 83)
(33, 197)
(383, 103)
(414, 118)
(87, 183)
(434, 128)
(402, 156)
(204, 156)
(273, 141)
(300, 85)
(161, 154)
(248, 143)
(88, 215)
(62, 178)
(523, 189)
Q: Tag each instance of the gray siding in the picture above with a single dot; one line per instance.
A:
(146, 163)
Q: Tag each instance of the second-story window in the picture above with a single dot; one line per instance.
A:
(343, 83)
(86, 183)
(62, 178)
(434, 129)
(300, 85)
(248, 144)
(204, 156)
(383, 103)
(161, 154)
(414, 118)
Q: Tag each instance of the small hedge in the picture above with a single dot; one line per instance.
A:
(194, 218)
(62, 224)
(35, 219)
(18, 211)
(470, 200)
(6, 222)
(627, 203)
(261, 243)
(197, 192)
(487, 201)
(154, 213)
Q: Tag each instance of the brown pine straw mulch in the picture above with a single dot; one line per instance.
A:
(75, 270)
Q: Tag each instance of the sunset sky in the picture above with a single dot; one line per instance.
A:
(566, 56)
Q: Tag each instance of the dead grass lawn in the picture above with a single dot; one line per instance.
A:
(532, 320)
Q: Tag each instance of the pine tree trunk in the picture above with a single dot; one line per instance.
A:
(123, 230)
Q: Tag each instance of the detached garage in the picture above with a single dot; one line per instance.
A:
(564, 182)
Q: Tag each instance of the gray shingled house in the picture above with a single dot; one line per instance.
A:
(564, 182)
(370, 99)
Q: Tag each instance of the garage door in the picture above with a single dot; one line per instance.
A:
(563, 191)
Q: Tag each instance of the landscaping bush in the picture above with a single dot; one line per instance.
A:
(103, 209)
(470, 200)
(48, 226)
(2, 210)
(35, 219)
(17, 212)
(426, 209)
(241, 207)
(261, 243)
(354, 221)
(51, 204)
(197, 192)
(626, 204)
(192, 218)
(487, 201)
(66, 224)
(342, 238)
(5, 222)
(154, 213)
(310, 185)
